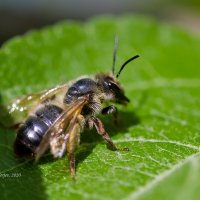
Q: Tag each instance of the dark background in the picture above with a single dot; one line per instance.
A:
(19, 16)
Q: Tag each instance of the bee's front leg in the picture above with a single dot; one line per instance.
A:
(111, 110)
(101, 131)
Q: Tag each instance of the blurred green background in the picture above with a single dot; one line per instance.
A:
(16, 17)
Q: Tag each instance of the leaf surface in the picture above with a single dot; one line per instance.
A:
(160, 126)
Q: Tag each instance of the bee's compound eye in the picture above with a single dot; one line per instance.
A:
(113, 86)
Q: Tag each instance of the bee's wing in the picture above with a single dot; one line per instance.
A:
(60, 125)
(20, 108)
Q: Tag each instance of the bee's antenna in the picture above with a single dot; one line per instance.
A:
(114, 55)
(129, 60)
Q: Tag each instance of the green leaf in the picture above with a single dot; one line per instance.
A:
(160, 126)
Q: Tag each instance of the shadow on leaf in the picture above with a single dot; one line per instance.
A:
(18, 179)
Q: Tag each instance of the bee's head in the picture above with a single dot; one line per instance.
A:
(110, 83)
(112, 88)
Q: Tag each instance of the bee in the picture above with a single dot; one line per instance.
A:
(55, 118)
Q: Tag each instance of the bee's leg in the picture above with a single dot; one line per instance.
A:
(101, 131)
(111, 110)
(72, 143)
(58, 145)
